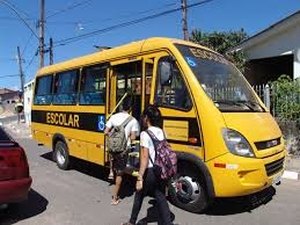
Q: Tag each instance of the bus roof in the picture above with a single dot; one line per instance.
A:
(118, 52)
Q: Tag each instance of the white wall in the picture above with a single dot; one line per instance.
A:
(28, 95)
(285, 41)
(297, 63)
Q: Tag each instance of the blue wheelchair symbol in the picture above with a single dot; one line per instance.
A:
(191, 62)
(101, 123)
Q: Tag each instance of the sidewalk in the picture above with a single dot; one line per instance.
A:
(292, 168)
(21, 130)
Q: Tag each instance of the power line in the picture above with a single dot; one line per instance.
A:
(157, 8)
(128, 15)
(125, 24)
(27, 43)
(11, 59)
(28, 77)
(15, 9)
(9, 5)
(14, 19)
(9, 75)
(69, 8)
(20, 10)
(31, 60)
(134, 14)
(65, 22)
(7, 59)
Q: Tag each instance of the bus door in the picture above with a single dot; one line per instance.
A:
(148, 67)
(125, 77)
(173, 96)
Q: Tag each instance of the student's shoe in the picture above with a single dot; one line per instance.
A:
(110, 176)
(115, 200)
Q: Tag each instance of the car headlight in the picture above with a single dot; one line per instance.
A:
(236, 143)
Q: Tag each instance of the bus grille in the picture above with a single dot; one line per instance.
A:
(274, 167)
(267, 144)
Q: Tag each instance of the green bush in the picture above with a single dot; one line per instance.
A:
(286, 98)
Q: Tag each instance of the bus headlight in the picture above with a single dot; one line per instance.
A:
(236, 143)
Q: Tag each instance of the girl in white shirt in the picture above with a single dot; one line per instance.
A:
(147, 183)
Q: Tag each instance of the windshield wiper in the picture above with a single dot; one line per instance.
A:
(252, 105)
(230, 102)
(248, 104)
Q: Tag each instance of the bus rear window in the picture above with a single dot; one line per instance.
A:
(43, 90)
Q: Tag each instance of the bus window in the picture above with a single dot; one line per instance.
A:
(43, 90)
(93, 85)
(65, 88)
(129, 78)
(221, 81)
(171, 90)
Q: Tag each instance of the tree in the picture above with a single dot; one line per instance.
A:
(222, 42)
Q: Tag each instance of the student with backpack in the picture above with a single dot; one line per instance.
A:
(121, 129)
(150, 181)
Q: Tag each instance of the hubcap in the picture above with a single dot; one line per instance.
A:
(60, 156)
(187, 189)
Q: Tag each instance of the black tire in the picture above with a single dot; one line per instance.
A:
(61, 155)
(188, 191)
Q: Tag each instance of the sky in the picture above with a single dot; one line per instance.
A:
(68, 19)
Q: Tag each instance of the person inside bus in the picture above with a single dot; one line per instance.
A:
(147, 184)
(119, 160)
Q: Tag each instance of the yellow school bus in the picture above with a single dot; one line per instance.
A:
(227, 142)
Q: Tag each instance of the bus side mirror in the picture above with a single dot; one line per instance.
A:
(166, 71)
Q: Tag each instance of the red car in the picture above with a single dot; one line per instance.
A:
(15, 180)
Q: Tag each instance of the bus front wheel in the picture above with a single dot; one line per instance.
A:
(188, 190)
(61, 155)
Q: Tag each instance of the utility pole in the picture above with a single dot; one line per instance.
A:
(51, 51)
(20, 112)
(184, 20)
(42, 32)
(21, 70)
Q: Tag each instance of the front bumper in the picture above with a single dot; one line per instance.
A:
(243, 176)
(14, 190)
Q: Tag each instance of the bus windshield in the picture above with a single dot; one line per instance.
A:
(221, 81)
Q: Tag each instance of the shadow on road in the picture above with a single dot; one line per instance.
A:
(152, 214)
(99, 172)
(34, 205)
(85, 167)
(221, 206)
(228, 206)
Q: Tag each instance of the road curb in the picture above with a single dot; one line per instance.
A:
(287, 174)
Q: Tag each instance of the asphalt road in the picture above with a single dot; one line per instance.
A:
(82, 196)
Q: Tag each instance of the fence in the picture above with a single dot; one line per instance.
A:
(283, 101)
